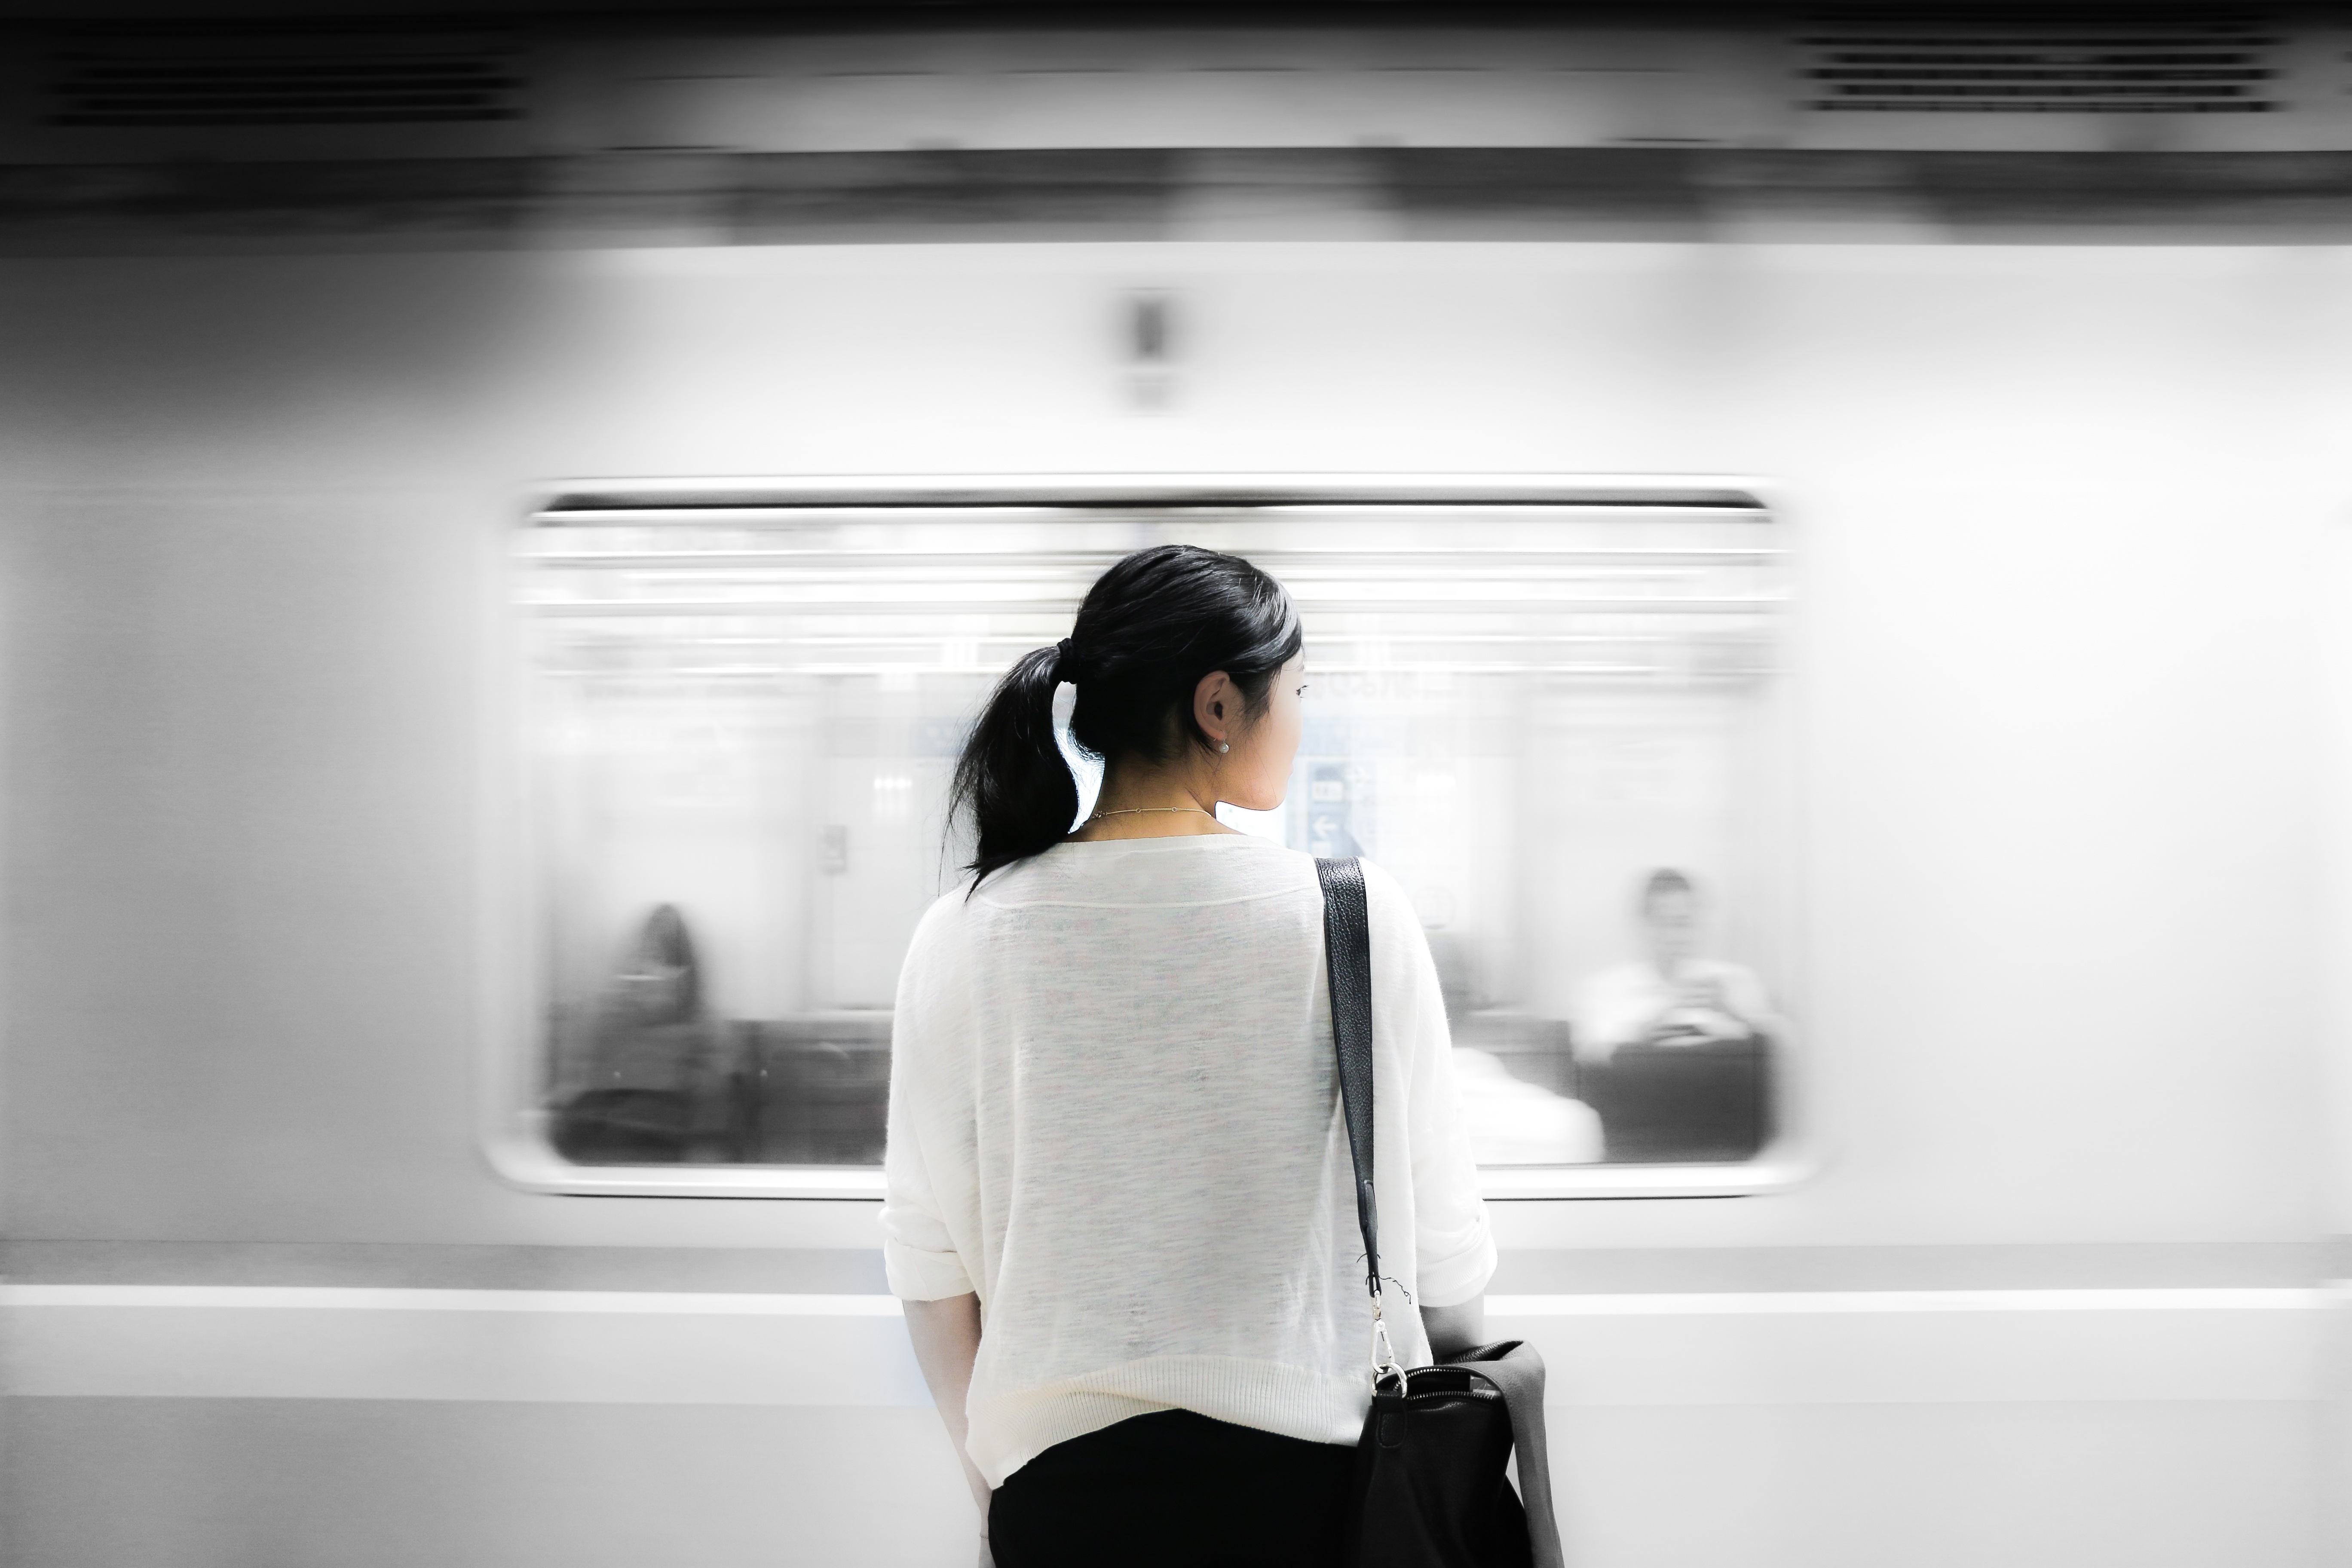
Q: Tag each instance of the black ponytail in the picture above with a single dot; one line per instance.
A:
(1012, 778)
(1149, 629)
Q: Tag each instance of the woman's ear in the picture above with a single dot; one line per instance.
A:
(1213, 703)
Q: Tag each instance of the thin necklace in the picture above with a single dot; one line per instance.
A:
(1143, 810)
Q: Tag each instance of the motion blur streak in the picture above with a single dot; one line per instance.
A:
(1637, 1350)
(1827, 553)
(331, 1297)
(1727, 1303)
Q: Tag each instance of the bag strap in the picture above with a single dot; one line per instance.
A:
(1517, 1372)
(1348, 954)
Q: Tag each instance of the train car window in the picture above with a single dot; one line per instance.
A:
(1558, 715)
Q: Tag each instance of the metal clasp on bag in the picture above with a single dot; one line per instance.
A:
(1384, 1359)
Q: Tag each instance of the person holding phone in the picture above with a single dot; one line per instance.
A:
(1670, 996)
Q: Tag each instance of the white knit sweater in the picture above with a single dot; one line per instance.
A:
(1114, 1113)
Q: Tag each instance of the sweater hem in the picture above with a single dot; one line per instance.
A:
(1009, 1430)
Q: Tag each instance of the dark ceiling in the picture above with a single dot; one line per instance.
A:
(1160, 13)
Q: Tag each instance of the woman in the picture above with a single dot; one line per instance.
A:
(1114, 1116)
(654, 1092)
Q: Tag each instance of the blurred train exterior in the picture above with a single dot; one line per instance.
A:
(2069, 497)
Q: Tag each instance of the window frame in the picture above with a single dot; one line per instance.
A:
(511, 1132)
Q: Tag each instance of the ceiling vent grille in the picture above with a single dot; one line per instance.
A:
(278, 75)
(2028, 69)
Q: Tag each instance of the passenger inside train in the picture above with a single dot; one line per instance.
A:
(1670, 997)
(1673, 1049)
(648, 1083)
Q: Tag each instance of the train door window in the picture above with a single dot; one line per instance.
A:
(1558, 715)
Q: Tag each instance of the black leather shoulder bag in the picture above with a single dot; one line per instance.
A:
(1430, 1490)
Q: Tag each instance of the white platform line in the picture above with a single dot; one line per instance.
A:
(381, 1299)
(1758, 1303)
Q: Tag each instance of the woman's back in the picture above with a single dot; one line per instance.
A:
(1113, 1089)
(1121, 1206)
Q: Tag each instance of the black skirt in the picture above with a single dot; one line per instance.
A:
(1174, 1487)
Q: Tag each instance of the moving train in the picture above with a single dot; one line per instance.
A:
(503, 523)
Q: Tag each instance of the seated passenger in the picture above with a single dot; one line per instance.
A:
(1671, 997)
(654, 1089)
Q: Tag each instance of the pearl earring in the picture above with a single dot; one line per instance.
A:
(1223, 747)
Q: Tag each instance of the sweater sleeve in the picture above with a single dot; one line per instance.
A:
(918, 1251)
(1455, 1250)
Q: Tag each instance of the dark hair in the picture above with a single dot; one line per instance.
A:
(1664, 881)
(663, 940)
(1150, 628)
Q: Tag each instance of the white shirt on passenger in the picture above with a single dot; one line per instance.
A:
(1618, 1005)
(1115, 1114)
